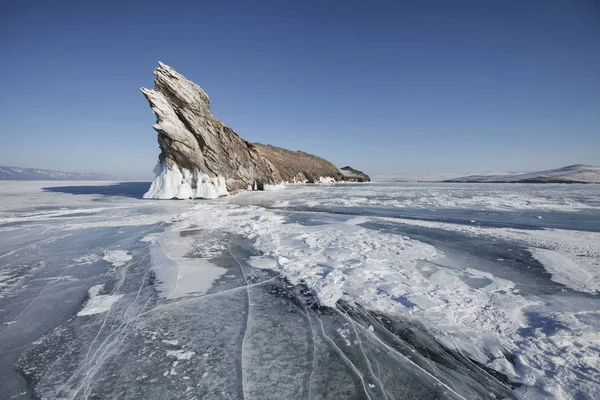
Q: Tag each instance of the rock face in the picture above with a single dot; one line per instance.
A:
(202, 157)
(354, 175)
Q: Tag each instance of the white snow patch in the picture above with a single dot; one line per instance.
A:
(117, 258)
(89, 259)
(177, 274)
(181, 354)
(194, 276)
(572, 256)
(567, 272)
(98, 303)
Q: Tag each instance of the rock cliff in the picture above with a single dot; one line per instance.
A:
(200, 156)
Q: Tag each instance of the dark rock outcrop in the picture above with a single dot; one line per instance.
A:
(354, 175)
(202, 157)
(297, 166)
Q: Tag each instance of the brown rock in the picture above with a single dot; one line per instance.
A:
(202, 157)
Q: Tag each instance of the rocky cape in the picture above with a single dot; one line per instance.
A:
(201, 157)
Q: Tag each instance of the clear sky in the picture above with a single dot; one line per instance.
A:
(404, 87)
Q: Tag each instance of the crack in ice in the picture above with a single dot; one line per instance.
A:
(351, 364)
(314, 358)
(247, 319)
(401, 356)
(375, 377)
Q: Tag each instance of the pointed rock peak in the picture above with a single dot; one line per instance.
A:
(180, 91)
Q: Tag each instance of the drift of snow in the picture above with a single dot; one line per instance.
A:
(117, 258)
(98, 303)
(173, 183)
(568, 272)
(179, 275)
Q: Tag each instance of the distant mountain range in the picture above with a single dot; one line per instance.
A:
(431, 177)
(578, 173)
(34, 174)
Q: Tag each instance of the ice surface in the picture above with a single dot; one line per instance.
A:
(441, 196)
(485, 320)
(344, 291)
(573, 257)
(278, 186)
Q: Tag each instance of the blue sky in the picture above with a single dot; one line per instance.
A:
(404, 87)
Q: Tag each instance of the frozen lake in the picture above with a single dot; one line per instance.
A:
(334, 291)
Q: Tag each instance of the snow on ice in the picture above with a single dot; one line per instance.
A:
(98, 303)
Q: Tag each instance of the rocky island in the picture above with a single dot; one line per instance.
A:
(354, 175)
(201, 157)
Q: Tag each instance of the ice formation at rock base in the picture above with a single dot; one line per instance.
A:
(173, 183)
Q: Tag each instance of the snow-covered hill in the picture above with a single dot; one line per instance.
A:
(31, 174)
(578, 173)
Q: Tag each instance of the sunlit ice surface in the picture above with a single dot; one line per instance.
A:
(341, 291)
